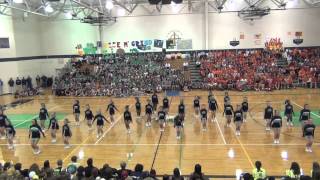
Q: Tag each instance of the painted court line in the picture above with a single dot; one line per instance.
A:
(302, 108)
(84, 142)
(30, 119)
(168, 144)
(106, 132)
(220, 131)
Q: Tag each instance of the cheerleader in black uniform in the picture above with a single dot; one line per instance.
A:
(76, 112)
(35, 134)
(10, 133)
(238, 119)
(226, 98)
(149, 110)
(181, 110)
(3, 119)
(276, 124)
(88, 115)
(268, 114)
(305, 114)
(213, 106)
(288, 112)
(204, 117)
(178, 124)
(112, 109)
(165, 104)
(245, 108)
(308, 133)
(100, 123)
(209, 96)
(54, 125)
(138, 107)
(155, 101)
(66, 133)
(127, 119)
(43, 116)
(196, 106)
(228, 111)
(161, 118)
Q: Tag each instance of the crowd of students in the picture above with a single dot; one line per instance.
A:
(119, 76)
(258, 69)
(76, 171)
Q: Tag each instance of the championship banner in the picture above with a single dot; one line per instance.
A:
(158, 43)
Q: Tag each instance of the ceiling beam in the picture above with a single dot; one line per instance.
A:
(86, 6)
(23, 10)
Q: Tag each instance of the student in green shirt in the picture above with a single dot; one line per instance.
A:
(259, 173)
(294, 171)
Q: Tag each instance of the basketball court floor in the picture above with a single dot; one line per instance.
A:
(218, 150)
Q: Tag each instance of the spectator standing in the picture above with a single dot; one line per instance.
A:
(11, 85)
(18, 84)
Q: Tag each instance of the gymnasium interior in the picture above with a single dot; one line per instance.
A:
(59, 54)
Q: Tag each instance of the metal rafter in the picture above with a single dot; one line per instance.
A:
(23, 10)
(87, 6)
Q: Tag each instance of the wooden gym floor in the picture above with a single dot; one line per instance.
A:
(218, 150)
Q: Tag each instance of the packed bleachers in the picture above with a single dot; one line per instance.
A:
(257, 69)
(140, 73)
(76, 171)
(120, 76)
(304, 66)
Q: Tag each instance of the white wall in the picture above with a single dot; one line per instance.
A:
(61, 37)
(27, 39)
(224, 27)
(156, 27)
(6, 31)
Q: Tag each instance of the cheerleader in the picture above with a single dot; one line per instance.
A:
(155, 101)
(165, 104)
(288, 112)
(35, 134)
(226, 98)
(213, 106)
(238, 119)
(181, 110)
(228, 111)
(268, 114)
(138, 107)
(100, 123)
(209, 96)
(245, 108)
(161, 118)
(112, 108)
(43, 116)
(66, 133)
(308, 133)
(54, 125)
(3, 119)
(127, 119)
(204, 113)
(10, 133)
(304, 116)
(196, 106)
(88, 115)
(76, 112)
(276, 124)
(148, 112)
(178, 124)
